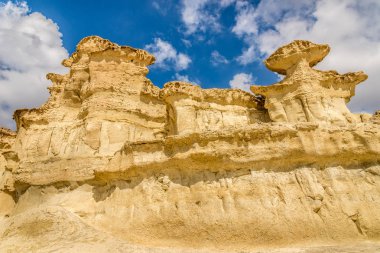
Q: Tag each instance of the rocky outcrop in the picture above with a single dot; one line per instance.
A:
(104, 102)
(113, 163)
(192, 109)
(306, 94)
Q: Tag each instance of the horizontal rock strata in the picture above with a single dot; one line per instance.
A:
(113, 163)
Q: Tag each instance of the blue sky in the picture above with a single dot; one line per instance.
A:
(214, 43)
(138, 23)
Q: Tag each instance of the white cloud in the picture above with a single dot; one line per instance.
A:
(217, 58)
(245, 20)
(183, 61)
(194, 17)
(242, 81)
(184, 78)
(248, 56)
(225, 3)
(270, 12)
(167, 56)
(351, 28)
(202, 15)
(30, 47)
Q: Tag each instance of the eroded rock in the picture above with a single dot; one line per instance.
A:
(113, 163)
(307, 94)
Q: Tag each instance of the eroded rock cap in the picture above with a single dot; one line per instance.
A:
(285, 57)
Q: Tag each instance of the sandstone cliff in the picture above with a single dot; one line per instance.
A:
(113, 163)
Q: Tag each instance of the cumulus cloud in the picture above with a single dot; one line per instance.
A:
(182, 61)
(30, 47)
(194, 17)
(202, 15)
(351, 28)
(167, 56)
(242, 81)
(246, 28)
(248, 56)
(217, 59)
(245, 20)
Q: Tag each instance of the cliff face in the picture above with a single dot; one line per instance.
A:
(112, 162)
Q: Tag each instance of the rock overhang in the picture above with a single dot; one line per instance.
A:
(287, 56)
(95, 44)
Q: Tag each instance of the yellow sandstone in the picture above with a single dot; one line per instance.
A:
(112, 163)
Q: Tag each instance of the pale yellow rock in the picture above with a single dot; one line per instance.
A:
(306, 94)
(8, 162)
(112, 163)
(192, 109)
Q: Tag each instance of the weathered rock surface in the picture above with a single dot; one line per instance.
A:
(112, 163)
(306, 94)
(7, 161)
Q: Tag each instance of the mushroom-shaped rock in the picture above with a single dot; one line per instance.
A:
(287, 56)
(96, 44)
(307, 94)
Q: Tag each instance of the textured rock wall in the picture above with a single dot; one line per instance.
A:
(228, 208)
(103, 102)
(7, 161)
(192, 109)
(113, 163)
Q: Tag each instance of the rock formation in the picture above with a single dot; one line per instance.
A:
(112, 163)
(306, 94)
